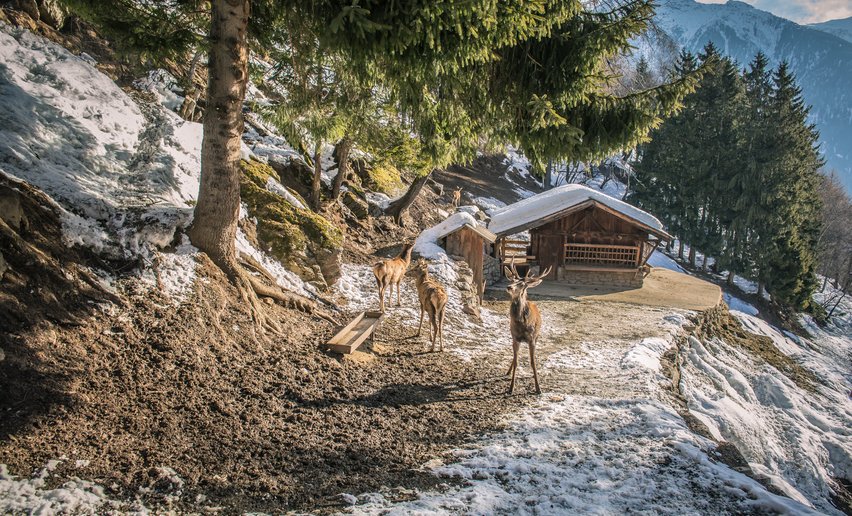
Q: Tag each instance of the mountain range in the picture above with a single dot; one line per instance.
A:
(820, 55)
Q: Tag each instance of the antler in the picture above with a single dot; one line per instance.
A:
(513, 270)
(540, 274)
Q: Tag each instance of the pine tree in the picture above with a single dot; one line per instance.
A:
(663, 175)
(791, 269)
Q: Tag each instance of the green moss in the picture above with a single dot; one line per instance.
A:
(385, 178)
(282, 227)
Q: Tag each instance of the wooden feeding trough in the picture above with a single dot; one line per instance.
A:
(361, 328)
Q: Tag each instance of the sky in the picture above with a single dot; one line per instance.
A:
(801, 11)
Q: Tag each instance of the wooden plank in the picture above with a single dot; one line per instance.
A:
(355, 333)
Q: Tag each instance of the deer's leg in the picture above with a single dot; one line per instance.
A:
(382, 296)
(398, 303)
(420, 326)
(511, 362)
(433, 321)
(532, 363)
(441, 329)
(514, 368)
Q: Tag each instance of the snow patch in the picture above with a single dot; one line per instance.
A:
(277, 188)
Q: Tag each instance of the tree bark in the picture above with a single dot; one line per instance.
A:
(704, 264)
(692, 257)
(397, 208)
(316, 183)
(214, 226)
(730, 280)
(680, 249)
(341, 155)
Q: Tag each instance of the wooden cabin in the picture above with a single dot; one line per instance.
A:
(462, 236)
(471, 243)
(588, 237)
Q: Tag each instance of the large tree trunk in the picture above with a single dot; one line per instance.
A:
(680, 249)
(730, 280)
(692, 257)
(341, 155)
(214, 226)
(397, 208)
(316, 183)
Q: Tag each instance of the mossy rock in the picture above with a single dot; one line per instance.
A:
(379, 177)
(358, 206)
(282, 227)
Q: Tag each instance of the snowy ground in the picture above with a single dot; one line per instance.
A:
(601, 440)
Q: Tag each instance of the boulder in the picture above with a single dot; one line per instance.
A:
(52, 13)
(28, 6)
(358, 206)
(11, 211)
(329, 264)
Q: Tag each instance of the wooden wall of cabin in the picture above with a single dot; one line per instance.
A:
(589, 226)
(470, 246)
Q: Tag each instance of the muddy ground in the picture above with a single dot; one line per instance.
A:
(251, 425)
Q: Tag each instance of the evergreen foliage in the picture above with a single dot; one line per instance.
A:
(735, 175)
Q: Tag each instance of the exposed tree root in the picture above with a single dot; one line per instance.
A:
(288, 299)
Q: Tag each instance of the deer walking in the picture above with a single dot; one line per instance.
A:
(525, 319)
(457, 197)
(390, 272)
(433, 300)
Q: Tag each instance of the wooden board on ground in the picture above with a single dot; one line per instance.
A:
(355, 333)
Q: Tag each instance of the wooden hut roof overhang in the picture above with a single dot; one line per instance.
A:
(482, 231)
(532, 224)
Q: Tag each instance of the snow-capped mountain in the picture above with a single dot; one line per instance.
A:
(822, 61)
(840, 28)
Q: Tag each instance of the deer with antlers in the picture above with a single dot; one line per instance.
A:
(390, 272)
(525, 319)
(433, 300)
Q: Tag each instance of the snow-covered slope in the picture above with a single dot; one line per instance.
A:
(125, 175)
(841, 28)
(821, 61)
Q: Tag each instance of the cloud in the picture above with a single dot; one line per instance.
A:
(801, 11)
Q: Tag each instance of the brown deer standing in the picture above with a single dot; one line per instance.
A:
(525, 319)
(390, 272)
(433, 300)
(457, 197)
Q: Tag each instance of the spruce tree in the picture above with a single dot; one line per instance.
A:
(791, 269)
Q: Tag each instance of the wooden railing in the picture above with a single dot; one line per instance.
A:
(514, 248)
(601, 254)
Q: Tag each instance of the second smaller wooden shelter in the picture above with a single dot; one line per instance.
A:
(463, 236)
(587, 236)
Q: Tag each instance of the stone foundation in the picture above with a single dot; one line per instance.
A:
(492, 270)
(630, 278)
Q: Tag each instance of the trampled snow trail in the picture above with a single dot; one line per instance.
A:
(600, 440)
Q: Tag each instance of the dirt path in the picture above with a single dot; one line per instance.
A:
(584, 344)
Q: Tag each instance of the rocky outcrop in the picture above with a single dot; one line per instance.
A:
(357, 205)
(464, 283)
(50, 12)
